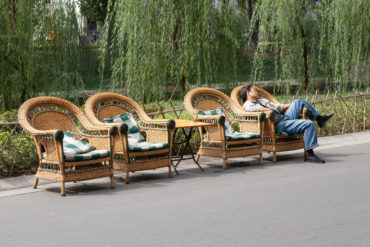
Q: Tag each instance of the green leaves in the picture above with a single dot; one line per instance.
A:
(165, 43)
(315, 39)
(39, 50)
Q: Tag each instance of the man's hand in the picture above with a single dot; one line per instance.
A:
(263, 109)
(286, 106)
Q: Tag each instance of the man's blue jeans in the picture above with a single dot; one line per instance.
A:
(291, 124)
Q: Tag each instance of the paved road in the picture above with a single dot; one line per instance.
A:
(289, 203)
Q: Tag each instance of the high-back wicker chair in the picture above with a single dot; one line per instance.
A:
(215, 141)
(108, 105)
(272, 141)
(46, 119)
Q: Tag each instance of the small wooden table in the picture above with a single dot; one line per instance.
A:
(187, 124)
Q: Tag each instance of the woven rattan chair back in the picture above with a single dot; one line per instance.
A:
(52, 113)
(235, 95)
(46, 118)
(107, 105)
(209, 99)
(273, 142)
(215, 143)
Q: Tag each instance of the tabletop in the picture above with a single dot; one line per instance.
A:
(181, 123)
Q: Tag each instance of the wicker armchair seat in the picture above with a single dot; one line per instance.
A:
(52, 122)
(273, 141)
(230, 133)
(242, 136)
(147, 146)
(92, 155)
(133, 151)
(210, 105)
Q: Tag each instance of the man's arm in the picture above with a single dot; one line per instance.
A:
(263, 109)
(251, 106)
(285, 107)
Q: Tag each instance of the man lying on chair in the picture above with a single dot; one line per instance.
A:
(287, 119)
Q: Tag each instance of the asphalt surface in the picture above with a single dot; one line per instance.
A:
(288, 203)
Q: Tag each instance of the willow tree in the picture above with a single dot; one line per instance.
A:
(39, 49)
(173, 42)
(315, 39)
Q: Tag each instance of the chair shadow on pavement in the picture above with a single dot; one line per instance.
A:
(187, 170)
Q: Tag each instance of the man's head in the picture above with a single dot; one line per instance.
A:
(248, 93)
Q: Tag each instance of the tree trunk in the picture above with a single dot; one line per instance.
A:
(14, 20)
(248, 6)
(20, 68)
(175, 34)
(304, 53)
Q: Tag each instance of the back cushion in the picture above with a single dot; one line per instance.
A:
(73, 146)
(218, 111)
(134, 135)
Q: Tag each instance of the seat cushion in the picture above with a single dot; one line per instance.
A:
(73, 146)
(133, 134)
(215, 112)
(96, 154)
(241, 136)
(147, 146)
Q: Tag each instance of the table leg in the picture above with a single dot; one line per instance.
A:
(187, 145)
(174, 167)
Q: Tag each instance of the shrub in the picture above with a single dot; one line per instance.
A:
(19, 156)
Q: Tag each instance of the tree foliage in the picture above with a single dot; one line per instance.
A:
(161, 43)
(94, 10)
(315, 39)
(39, 49)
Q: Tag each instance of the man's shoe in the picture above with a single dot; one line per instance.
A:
(321, 120)
(312, 158)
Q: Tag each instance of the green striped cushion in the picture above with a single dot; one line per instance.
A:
(73, 146)
(134, 135)
(147, 146)
(218, 111)
(96, 154)
(241, 136)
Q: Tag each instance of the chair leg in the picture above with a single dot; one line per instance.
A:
(304, 155)
(63, 189)
(224, 164)
(197, 157)
(169, 171)
(35, 183)
(127, 180)
(274, 156)
(261, 160)
(111, 181)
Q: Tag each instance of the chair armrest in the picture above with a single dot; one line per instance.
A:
(252, 117)
(122, 142)
(270, 115)
(100, 136)
(158, 132)
(50, 142)
(215, 132)
(206, 118)
(251, 121)
(156, 121)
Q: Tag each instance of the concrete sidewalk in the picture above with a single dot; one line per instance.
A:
(23, 184)
(285, 204)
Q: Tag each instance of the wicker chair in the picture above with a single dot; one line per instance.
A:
(214, 141)
(46, 118)
(272, 141)
(108, 105)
